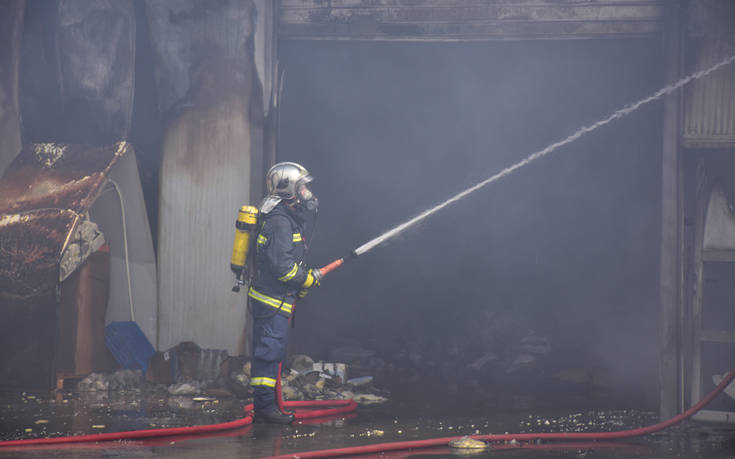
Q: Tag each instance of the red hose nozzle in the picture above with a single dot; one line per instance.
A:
(331, 266)
(336, 264)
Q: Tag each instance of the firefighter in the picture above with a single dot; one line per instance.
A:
(280, 278)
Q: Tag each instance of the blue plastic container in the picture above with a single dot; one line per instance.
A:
(128, 345)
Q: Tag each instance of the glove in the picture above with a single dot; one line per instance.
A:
(312, 280)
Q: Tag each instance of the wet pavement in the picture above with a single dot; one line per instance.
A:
(38, 415)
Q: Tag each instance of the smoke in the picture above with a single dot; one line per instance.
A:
(564, 247)
(371, 244)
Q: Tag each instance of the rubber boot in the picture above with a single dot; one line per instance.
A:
(272, 415)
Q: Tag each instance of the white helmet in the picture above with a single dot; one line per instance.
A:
(288, 181)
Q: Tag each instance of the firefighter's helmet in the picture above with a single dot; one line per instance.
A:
(288, 181)
(284, 179)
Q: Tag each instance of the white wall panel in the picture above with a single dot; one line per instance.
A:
(204, 180)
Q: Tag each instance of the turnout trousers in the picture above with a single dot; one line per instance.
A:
(270, 337)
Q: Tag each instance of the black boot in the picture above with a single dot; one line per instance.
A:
(273, 415)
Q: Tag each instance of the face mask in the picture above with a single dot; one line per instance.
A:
(307, 198)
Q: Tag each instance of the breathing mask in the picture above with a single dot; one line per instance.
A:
(307, 199)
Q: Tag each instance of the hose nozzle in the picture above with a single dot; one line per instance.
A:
(337, 263)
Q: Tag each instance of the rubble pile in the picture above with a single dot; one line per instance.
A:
(309, 380)
(492, 352)
(187, 370)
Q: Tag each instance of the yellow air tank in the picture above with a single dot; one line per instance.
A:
(247, 219)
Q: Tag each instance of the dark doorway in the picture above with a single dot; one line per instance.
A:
(566, 247)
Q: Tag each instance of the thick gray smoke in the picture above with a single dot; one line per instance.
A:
(371, 244)
(568, 248)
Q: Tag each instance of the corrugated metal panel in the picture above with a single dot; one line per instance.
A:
(709, 119)
(467, 19)
(210, 94)
(204, 181)
(709, 116)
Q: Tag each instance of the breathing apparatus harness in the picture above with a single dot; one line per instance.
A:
(247, 230)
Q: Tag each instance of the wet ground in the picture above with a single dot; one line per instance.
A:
(38, 415)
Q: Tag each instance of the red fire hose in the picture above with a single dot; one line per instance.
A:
(137, 434)
(528, 437)
(327, 407)
(303, 411)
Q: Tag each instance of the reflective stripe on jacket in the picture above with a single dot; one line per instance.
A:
(279, 253)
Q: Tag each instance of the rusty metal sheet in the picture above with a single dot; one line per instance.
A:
(467, 20)
(49, 175)
(30, 244)
(42, 195)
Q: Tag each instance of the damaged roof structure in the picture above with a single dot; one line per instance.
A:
(59, 204)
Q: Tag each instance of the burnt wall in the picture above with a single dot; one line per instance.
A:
(178, 79)
(78, 69)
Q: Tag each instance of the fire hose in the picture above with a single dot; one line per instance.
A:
(326, 408)
(529, 438)
(308, 409)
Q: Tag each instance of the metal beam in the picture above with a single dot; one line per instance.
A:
(465, 20)
(669, 369)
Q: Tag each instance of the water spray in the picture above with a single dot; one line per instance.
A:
(366, 247)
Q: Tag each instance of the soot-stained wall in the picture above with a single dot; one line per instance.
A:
(567, 246)
(77, 71)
